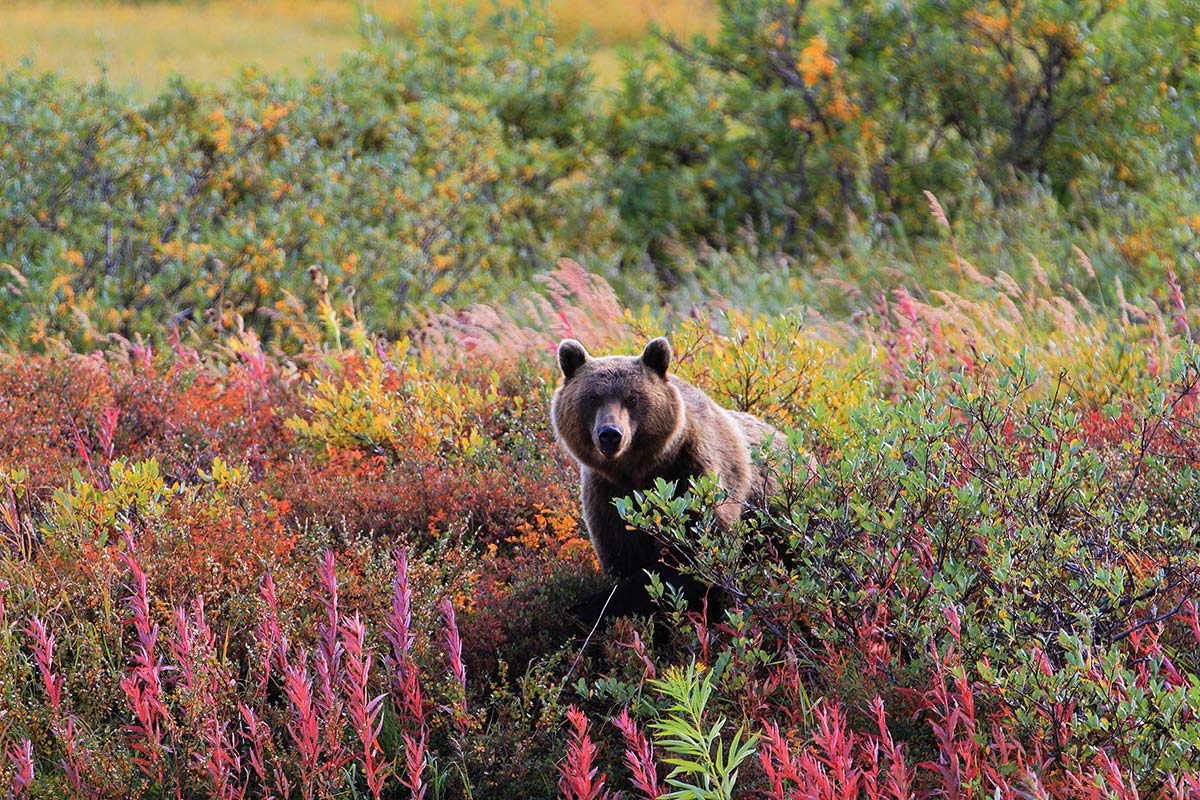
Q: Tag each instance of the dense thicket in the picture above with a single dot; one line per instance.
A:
(355, 572)
(453, 164)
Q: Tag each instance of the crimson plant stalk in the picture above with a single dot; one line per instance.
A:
(365, 712)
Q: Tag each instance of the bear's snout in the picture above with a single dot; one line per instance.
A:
(608, 439)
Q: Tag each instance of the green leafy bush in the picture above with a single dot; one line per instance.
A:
(800, 117)
(421, 170)
(451, 164)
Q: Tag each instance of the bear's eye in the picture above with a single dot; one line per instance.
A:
(631, 401)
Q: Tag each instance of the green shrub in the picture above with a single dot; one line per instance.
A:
(995, 498)
(798, 117)
(421, 170)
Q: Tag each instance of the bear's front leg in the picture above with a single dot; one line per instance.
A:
(622, 552)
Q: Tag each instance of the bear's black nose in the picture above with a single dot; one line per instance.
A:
(610, 438)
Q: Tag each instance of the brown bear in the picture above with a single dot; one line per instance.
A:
(627, 422)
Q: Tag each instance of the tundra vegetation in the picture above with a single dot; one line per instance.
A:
(283, 516)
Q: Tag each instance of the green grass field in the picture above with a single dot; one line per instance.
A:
(139, 46)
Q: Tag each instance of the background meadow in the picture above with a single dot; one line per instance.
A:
(138, 46)
(282, 515)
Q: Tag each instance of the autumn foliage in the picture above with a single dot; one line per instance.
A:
(233, 573)
(282, 515)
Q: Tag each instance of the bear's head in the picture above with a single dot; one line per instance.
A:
(617, 414)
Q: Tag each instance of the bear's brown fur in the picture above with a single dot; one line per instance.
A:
(627, 422)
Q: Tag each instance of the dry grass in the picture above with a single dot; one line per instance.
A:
(140, 45)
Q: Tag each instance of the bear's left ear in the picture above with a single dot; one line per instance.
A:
(571, 356)
(657, 356)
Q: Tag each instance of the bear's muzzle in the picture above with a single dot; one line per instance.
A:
(608, 440)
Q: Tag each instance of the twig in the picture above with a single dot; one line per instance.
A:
(588, 639)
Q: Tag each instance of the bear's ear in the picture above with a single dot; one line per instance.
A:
(657, 356)
(571, 356)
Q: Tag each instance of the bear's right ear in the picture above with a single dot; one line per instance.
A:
(571, 356)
